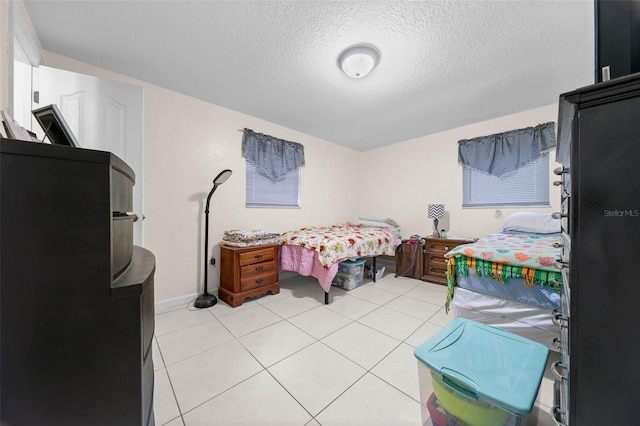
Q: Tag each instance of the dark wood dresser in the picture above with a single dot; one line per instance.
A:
(76, 297)
(434, 268)
(248, 272)
(598, 147)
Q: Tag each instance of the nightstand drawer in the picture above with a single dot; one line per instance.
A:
(256, 256)
(249, 271)
(434, 267)
(255, 281)
(440, 247)
(438, 262)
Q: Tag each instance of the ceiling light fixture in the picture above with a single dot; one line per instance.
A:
(358, 61)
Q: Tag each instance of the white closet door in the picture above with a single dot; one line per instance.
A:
(104, 115)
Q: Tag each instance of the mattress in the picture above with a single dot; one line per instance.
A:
(531, 322)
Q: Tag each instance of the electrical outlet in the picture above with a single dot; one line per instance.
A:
(498, 214)
(213, 261)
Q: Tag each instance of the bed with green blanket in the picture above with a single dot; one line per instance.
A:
(507, 279)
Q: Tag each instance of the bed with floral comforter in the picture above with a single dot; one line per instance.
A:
(317, 251)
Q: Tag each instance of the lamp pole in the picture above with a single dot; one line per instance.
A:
(206, 300)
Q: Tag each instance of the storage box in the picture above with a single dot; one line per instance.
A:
(350, 274)
(481, 375)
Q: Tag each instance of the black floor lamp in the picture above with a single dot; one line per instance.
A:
(206, 300)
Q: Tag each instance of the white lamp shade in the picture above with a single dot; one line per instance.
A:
(358, 61)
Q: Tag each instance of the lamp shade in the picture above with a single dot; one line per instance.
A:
(435, 211)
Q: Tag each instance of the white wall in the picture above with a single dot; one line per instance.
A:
(187, 142)
(4, 56)
(400, 180)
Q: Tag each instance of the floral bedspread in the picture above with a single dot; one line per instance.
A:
(344, 241)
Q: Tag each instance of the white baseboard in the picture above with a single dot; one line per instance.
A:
(170, 304)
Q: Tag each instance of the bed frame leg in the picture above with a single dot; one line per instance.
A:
(374, 269)
(326, 297)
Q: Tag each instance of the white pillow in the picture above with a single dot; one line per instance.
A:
(386, 220)
(376, 224)
(539, 223)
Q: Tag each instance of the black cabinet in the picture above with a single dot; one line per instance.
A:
(599, 149)
(76, 297)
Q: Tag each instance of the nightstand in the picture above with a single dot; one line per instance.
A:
(434, 264)
(248, 272)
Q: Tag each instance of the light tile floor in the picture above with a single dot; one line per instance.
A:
(289, 359)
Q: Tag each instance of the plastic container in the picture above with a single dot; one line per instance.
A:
(481, 375)
(350, 274)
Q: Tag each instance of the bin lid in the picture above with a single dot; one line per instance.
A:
(487, 363)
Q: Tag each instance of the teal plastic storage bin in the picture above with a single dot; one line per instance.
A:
(482, 375)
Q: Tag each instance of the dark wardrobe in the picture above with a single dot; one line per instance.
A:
(599, 149)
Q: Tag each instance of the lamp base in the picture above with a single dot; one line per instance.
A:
(205, 300)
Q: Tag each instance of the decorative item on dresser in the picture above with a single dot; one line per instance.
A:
(435, 212)
(248, 272)
(77, 297)
(434, 264)
(598, 147)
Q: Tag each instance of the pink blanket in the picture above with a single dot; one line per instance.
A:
(306, 262)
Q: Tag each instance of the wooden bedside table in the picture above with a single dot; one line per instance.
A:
(434, 264)
(248, 272)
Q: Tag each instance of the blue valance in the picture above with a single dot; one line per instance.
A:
(272, 157)
(505, 152)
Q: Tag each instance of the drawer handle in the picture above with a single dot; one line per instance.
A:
(558, 245)
(556, 281)
(557, 182)
(558, 215)
(446, 248)
(560, 171)
(259, 281)
(554, 370)
(560, 264)
(259, 268)
(257, 256)
(557, 318)
(553, 411)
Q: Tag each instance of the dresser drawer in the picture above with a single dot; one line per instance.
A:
(121, 191)
(439, 247)
(256, 256)
(249, 271)
(255, 281)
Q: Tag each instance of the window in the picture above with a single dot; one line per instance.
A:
(273, 170)
(526, 186)
(263, 192)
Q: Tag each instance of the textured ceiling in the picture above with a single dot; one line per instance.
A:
(444, 64)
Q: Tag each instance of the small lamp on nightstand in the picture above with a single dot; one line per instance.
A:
(435, 212)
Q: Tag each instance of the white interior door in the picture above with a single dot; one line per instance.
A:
(104, 115)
